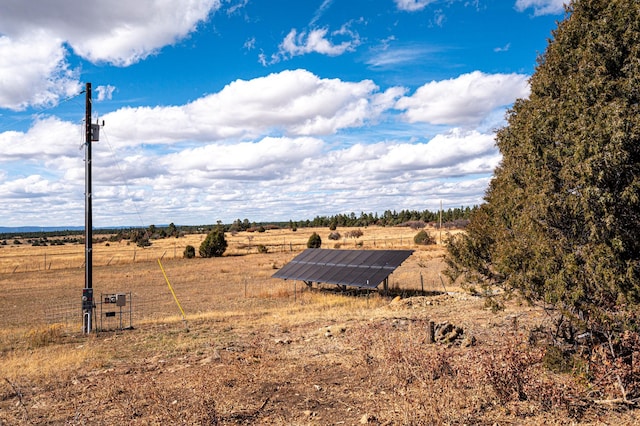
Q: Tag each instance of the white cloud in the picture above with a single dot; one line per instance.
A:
(29, 187)
(34, 72)
(315, 41)
(291, 102)
(323, 8)
(48, 138)
(105, 92)
(228, 153)
(466, 100)
(542, 7)
(504, 48)
(121, 32)
(388, 58)
(450, 154)
(34, 36)
(412, 5)
(261, 160)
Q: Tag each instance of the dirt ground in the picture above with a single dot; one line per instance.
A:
(275, 357)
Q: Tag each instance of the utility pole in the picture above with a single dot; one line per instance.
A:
(87, 292)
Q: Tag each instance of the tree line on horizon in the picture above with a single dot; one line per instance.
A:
(457, 217)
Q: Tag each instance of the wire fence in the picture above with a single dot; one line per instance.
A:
(15, 259)
(142, 308)
(26, 299)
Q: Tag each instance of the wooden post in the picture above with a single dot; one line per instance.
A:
(431, 332)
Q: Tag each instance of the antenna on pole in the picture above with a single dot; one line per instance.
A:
(87, 292)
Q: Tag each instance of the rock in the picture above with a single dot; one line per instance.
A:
(450, 336)
(207, 360)
(468, 341)
(330, 330)
(364, 419)
(442, 330)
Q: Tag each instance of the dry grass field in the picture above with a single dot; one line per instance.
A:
(261, 351)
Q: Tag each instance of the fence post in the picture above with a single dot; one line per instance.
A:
(430, 332)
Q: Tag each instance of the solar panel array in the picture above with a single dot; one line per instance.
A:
(355, 268)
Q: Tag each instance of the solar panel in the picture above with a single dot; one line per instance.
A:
(355, 268)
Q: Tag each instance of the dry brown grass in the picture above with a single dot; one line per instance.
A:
(255, 350)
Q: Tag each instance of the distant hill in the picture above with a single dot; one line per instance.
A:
(32, 229)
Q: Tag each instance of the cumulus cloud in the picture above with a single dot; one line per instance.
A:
(284, 133)
(121, 32)
(34, 71)
(48, 138)
(292, 102)
(466, 100)
(453, 153)
(35, 35)
(261, 160)
(542, 7)
(33, 186)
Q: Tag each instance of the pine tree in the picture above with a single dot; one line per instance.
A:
(561, 218)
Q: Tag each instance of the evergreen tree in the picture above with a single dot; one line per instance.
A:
(215, 244)
(189, 252)
(314, 241)
(561, 219)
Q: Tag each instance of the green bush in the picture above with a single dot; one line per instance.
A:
(189, 252)
(423, 238)
(214, 245)
(314, 241)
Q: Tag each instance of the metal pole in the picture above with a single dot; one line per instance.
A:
(87, 293)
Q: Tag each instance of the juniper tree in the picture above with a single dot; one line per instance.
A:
(314, 241)
(561, 219)
(215, 244)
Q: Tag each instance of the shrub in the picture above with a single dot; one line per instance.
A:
(314, 241)
(189, 252)
(334, 236)
(356, 233)
(214, 245)
(423, 238)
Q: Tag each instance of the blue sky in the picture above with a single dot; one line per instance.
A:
(266, 110)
